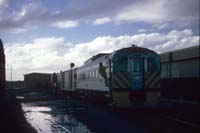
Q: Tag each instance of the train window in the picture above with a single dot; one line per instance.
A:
(78, 76)
(145, 65)
(121, 64)
(135, 66)
(83, 75)
(87, 75)
(97, 73)
(94, 72)
(90, 75)
(151, 65)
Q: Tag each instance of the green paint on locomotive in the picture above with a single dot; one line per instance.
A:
(121, 58)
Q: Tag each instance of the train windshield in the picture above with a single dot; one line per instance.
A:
(120, 64)
(134, 66)
(152, 65)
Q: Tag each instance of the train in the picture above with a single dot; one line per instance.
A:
(180, 75)
(126, 77)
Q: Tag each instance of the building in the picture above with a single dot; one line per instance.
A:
(14, 84)
(37, 80)
(2, 67)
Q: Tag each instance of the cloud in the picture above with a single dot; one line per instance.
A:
(148, 12)
(42, 54)
(53, 54)
(24, 14)
(99, 21)
(2, 2)
(160, 11)
(163, 26)
(66, 24)
(142, 30)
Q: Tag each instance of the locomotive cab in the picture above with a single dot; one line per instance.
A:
(135, 77)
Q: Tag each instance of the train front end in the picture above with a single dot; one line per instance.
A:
(135, 77)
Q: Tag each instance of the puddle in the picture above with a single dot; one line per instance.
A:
(50, 119)
(19, 97)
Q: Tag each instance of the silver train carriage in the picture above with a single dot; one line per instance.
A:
(127, 76)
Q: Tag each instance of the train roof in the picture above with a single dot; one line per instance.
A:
(180, 54)
(95, 57)
(136, 49)
(133, 49)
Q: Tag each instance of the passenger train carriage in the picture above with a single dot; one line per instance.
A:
(127, 76)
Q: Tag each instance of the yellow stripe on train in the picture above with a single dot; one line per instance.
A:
(153, 80)
(121, 80)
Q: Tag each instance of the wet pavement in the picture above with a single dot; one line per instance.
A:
(63, 116)
(53, 117)
(50, 114)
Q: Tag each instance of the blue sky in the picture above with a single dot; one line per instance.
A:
(46, 35)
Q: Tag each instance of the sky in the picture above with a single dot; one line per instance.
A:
(47, 35)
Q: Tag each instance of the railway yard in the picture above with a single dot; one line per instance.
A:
(99, 66)
(79, 108)
(82, 116)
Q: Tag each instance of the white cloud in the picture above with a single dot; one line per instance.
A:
(160, 11)
(14, 30)
(2, 2)
(163, 26)
(54, 54)
(142, 30)
(117, 11)
(99, 21)
(41, 55)
(66, 24)
(148, 12)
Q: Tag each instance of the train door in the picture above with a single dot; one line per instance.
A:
(136, 70)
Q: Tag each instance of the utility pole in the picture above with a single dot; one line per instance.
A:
(71, 75)
(10, 82)
(10, 76)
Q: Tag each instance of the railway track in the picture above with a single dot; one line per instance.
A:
(184, 122)
(173, 124)
(159, 121)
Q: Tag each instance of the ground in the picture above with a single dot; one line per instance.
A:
(12, 118)
(64, 114)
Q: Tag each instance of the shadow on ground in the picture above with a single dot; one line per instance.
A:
(12, 118)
